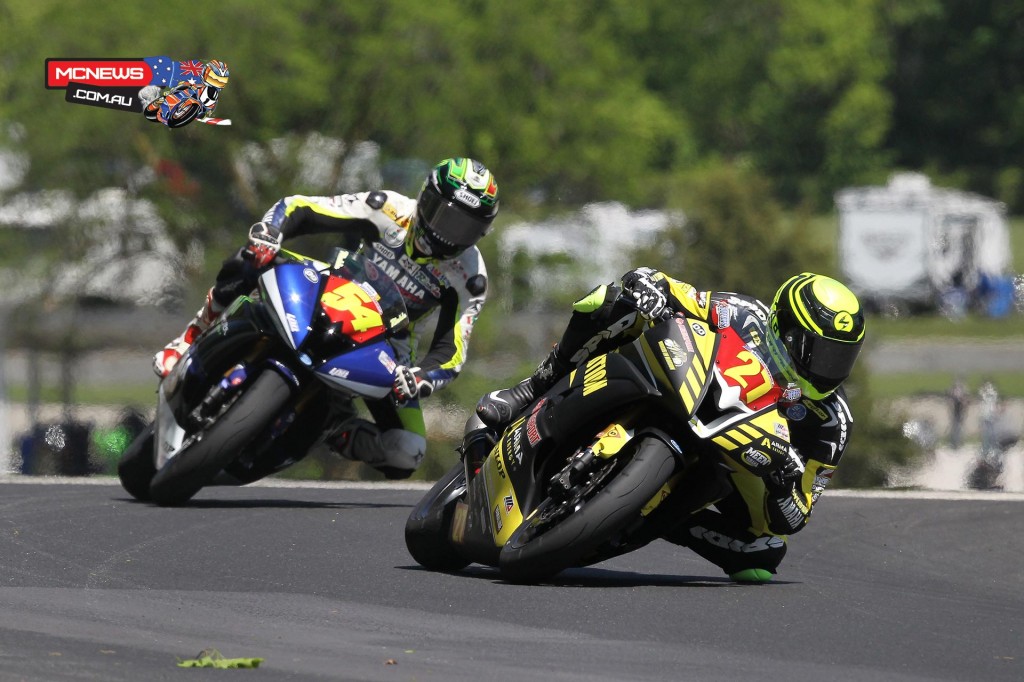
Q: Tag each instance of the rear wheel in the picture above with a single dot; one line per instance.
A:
(197, 463)
(136, 468)
(566, 528)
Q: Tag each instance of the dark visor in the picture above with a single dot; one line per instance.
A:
(826, 362)
(449, 222)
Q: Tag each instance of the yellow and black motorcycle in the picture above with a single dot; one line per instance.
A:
(597, 466)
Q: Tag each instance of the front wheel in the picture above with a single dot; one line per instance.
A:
(196, 465)
(137, 468)
(563, 532)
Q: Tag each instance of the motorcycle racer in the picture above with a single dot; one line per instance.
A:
(428, 247)
(813, 332)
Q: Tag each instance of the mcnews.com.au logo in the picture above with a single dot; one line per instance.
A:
(168, 91)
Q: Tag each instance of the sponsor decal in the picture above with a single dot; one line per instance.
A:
(532, 434)
(514, 446)
(393, 237)
(338, 372)
(755, 458)
(673, 353)
(791, 393)
(497, 519)
(509, 504)
(796, 412)
(732, 544)
(697, 329)
(466, 197)
(777, 446)
(293, 323)
(781, 430)
(843, 322)
(686, 337)
(595, 375)
(311, 275)
(499, 465)
(612, 331)
(723, 313)
(386, 360)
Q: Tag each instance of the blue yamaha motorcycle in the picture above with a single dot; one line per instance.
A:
(256, 390)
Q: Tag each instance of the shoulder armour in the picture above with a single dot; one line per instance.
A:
(476, 285)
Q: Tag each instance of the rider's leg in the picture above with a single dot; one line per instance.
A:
(236, 277)
(165, 360)
(394, 445)
(742, 554)
(595, 327)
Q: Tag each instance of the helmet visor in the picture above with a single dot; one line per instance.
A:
(826, 363)
(448, 229)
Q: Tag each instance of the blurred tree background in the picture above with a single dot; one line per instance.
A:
(746, 117)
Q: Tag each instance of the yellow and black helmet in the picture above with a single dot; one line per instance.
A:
(820, 323)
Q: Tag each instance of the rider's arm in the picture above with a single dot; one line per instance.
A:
(683, 297)
(459, 306)
(821, 437)
(365, 214)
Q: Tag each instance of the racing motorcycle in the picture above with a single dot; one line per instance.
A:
(609, 458)
(254, 392)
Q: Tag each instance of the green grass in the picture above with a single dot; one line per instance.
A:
(141, 396)
(937, 326)
(888, 386)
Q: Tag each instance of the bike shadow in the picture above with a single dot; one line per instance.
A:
(269, 503)
(593, 577)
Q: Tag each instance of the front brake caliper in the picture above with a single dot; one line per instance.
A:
(211, 406)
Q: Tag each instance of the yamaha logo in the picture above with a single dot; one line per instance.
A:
(468, 198)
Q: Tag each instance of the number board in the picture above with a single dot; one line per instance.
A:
(346, 302)
(742, 369)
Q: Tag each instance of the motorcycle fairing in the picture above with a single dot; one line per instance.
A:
(368, 371)
(679, 355)
(293, 292)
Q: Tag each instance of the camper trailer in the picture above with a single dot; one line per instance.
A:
(911, 246)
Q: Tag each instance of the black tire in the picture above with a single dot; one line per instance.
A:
(137, 467)
(533, 554)
(428, 528)
(196, 465)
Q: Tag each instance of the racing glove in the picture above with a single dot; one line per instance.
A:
(411, 383)
(649, 299)
(264, 243)
(782, 478)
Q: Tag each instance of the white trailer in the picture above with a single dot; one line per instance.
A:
(908, 244)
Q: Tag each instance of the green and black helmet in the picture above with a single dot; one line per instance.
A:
(455, 208)
(820, 323)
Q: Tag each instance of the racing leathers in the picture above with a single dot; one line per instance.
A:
(450, 293)
(742, 522)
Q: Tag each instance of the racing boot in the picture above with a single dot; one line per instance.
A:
(395, 453)
(164, 361)
(498, 408)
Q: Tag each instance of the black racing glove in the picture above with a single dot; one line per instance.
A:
(785, 475)
(649, 299)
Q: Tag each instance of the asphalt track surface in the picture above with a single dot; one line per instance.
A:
(317, 582)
